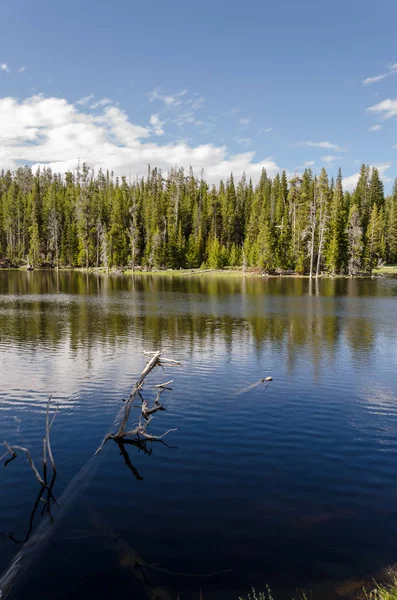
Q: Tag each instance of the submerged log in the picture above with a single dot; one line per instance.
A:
(37, 542)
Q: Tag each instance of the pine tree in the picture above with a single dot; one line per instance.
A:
(336, 242)
(374, 240)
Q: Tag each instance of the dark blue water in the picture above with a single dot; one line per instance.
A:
(293, 485)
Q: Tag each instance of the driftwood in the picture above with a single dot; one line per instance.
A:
(254, 385)
(139, 432)
(12, 450)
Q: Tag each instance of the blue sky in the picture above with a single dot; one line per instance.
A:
(219, 85)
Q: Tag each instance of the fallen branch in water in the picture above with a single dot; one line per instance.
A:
(139, 432)
(12, 450)
(254, 385)
(46, 448)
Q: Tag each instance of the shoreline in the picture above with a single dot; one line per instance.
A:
(383, 272)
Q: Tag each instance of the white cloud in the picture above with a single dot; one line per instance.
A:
(169, 100)
(84, 101)
(324, 145)
(350, 182)
(101, 103)
(22, 69)
(329, 158)
(157, 124)
(370, 80)
(244, 141)
(196, 103)
(266, 130)
(53, 132)
(387, 109)
(375, 128)
(4, 67)
(244, 121)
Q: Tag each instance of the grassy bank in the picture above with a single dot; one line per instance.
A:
(387, 270)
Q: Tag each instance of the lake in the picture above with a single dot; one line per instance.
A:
(293, 485)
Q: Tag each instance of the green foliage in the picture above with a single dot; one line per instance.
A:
(382, 592)
(178, 221)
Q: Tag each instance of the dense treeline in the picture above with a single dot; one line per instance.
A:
(307, 224)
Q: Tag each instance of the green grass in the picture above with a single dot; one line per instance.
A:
(386, 270)
(386, 591)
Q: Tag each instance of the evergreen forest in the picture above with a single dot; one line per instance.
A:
(306, 224)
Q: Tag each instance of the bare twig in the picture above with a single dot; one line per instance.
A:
(44, 459)
(6, 454)
(164, 385)
(146, 411)
(48, 428)
(153, 438)
(30, 461)
(171, 361)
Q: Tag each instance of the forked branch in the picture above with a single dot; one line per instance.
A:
(139, 432)
(12, 450)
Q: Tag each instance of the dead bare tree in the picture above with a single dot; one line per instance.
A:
(139, 431)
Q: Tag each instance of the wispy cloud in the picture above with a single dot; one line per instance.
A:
(387, 109)
(195, 103)
(266, 130)
(168, 99)
(244, 121)
(374, 79)
(157, 124)
(323, 145)
(22, 69)
(4, 68)
(369, 80)
(185, 118)
(375, 128)
(244, 141)
(101, 103)
(329, 158)
(84, 101)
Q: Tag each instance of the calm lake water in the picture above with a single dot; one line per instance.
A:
(293, 485)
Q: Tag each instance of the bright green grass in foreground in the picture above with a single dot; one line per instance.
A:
(379, 592)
